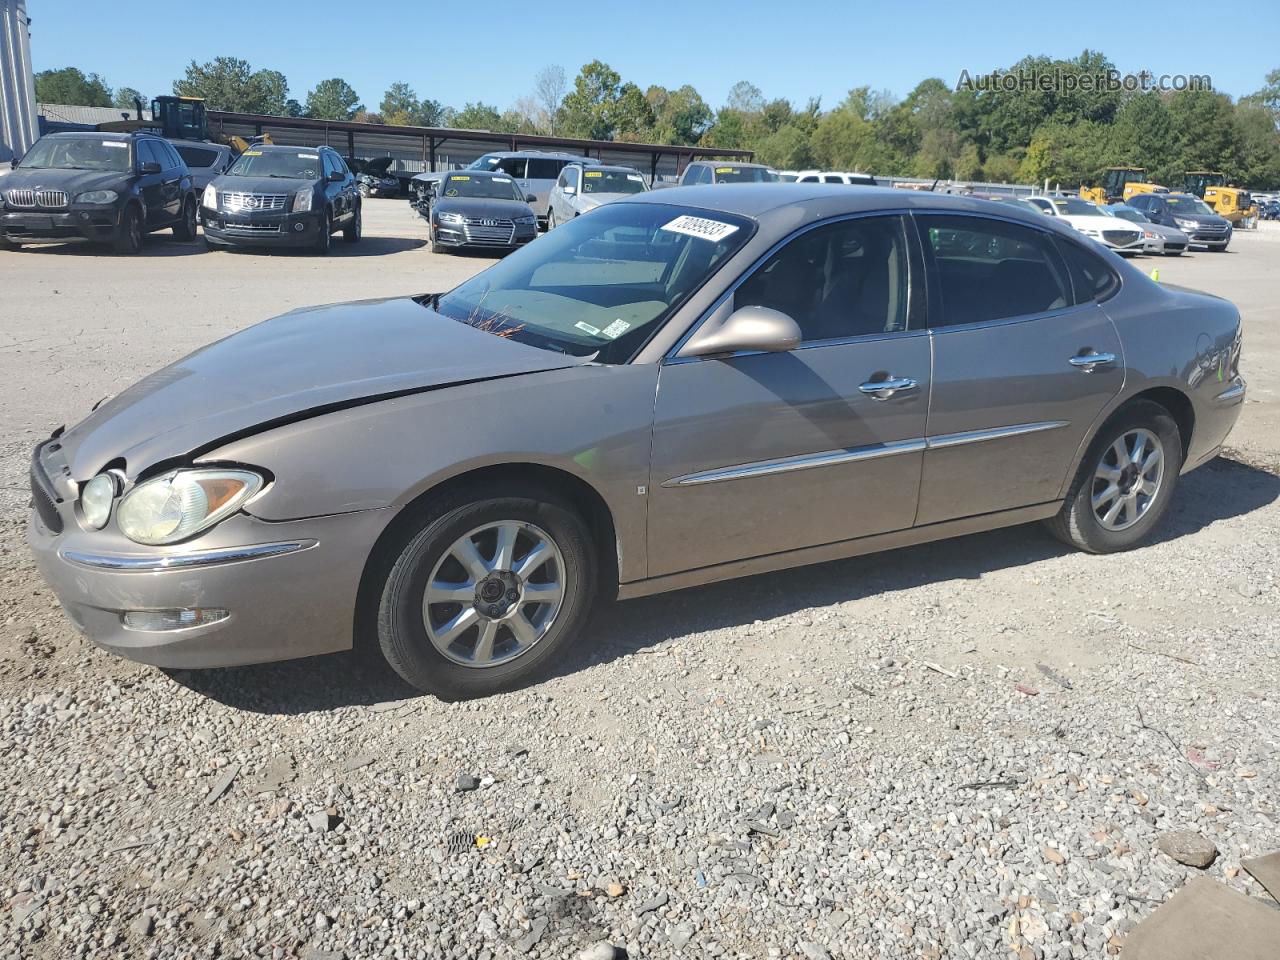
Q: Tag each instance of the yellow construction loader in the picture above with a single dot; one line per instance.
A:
(180, 118)
(1234, 203)
(1119, 184)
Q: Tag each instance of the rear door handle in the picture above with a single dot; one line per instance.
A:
(884, 389)
(1086, 362)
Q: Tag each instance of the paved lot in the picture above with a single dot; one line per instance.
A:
(967, 749)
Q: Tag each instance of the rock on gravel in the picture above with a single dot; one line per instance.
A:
(1189, 847)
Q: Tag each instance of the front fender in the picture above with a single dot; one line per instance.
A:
(593, 422)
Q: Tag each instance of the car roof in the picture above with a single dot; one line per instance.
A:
(737, 163)
(606, 166)
(757, 200)
(537, 153)
(468, 172)
(97, 135)
(284, 147)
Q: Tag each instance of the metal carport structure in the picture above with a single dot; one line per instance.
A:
(421, 149)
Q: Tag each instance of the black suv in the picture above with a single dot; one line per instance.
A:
(1187, 213)
(98, 188)
(282, 197)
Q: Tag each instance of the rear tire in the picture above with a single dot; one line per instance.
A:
(426, 552)
(551, 220)
(1114, 504)
(185, 229)
(352, 233)
(128, 239)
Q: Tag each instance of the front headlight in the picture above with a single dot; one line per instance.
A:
(97, 196)
(210, 198)
(181, 503)
(527, 221)
(1185, 224)
(302, 200)
(449, 217)
(95, 500)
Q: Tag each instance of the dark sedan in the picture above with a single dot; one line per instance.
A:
(480, 209)
(283, 196)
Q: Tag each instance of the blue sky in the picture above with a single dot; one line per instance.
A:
(491, 50)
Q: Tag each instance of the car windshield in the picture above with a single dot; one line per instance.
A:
(77, 153)
(611, 181)
(1187, 205)
(1075, 207)
(600, 285)
(491, 188)
(727, 174)
(285, 164)
(1129, 214)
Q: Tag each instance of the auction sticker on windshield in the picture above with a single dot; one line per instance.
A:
(459, 178)
(594, 173)
(308, 156)
(115, 143)
(703, 227)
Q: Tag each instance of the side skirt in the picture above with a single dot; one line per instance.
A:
(838, 551)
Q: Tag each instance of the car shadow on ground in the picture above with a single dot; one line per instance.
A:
(1220, 490)
(367, 247)
(153, 245)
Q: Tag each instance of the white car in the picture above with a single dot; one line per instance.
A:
(835, 176)
(582, 188)
(1118, 235)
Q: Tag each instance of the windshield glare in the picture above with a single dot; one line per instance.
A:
(727, 174)
(78, 153)
(611, 181)
(599, 285)
(289, 164)
(1132, 215)
(491, 188)
(1187, 205)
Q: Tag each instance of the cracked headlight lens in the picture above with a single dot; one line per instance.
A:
(180, 504)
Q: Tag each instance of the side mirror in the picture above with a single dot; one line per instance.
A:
(749, 328)
(149, 167)
(530, 198)
(569, 191)
(13, 164)
(336, 176)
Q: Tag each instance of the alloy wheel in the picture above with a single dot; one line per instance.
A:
(494, 594)
(1128, 479)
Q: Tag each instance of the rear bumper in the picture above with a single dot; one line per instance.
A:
(262, 230)
(288, 589)
(85, 225)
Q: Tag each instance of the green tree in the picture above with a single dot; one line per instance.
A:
(68, 85)
(400, 105)
(787, 147)
(478, 116)
(1260, 147)
(125, 97)
(601, 107)
(679, 116)
(432, 113)
(1206, 135)
(227, 83)
(333, 99)
(292, 108)
(745, 97)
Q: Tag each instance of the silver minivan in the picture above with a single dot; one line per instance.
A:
(534, 171)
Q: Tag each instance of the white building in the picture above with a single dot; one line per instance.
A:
(18, 129)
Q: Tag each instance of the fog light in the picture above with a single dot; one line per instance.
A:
(299, 227)
(156, 621)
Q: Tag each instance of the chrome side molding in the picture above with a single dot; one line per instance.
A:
(134, 563)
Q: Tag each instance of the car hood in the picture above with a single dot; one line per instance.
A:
(72, 181)
(1161, 230)
(482, 207)
(378, 167)
(1204, 219)
(261, 184)
(589, 201)
(291, 367)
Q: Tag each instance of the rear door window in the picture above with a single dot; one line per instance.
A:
(987, 270)
(197, 157)
(1090, 277)
(512, 166)
(543, 168)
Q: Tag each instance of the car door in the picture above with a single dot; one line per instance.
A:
(1024, 360)
(151, 186)
(568, 208)
(177, 179)
(760, 453)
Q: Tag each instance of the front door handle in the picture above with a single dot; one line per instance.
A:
(1086, 362)
(884, 389)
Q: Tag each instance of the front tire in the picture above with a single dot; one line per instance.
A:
(185, 229)
(551, 220)
(352, 233)
(1125, 483)
(484, 592)
(128, 239)
(325, 240)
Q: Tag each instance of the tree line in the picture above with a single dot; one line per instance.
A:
(1069, 134)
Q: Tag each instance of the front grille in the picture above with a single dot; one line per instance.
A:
(26, 197)
(489, 230)
(248, 226)
(1211, 229)
(254, 201)
(1120, 237)
(43, 497)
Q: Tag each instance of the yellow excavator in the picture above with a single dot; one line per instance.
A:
(1119, 184)
(180, 118)
(1211, 186)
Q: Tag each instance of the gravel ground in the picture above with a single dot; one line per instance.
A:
(961, 750)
